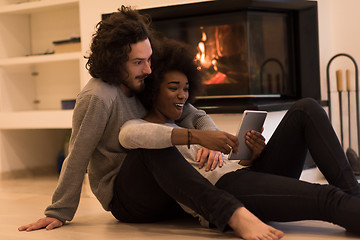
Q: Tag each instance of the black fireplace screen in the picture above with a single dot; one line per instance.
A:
(242, 53)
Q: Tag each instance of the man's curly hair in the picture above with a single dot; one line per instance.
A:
(112, 41)
(171, 55)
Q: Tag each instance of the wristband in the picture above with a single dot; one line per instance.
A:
(189, 138)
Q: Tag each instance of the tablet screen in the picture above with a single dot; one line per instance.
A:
(252, 120)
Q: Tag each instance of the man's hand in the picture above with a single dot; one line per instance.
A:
(256, 142)
(210, 157)
(47, 222)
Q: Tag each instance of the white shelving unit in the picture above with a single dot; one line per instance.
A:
(37, 6)
(36, 120)
(40, 59)
(33, 82)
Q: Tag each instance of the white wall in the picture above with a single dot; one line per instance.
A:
(338, 33)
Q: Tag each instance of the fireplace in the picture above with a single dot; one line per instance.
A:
(255, 54)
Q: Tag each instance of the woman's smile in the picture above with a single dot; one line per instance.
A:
(179, 106)
(172, 96)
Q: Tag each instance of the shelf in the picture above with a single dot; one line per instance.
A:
(31, 7)
(52, 119)
(40, 59)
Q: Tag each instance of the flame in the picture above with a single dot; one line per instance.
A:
(204, 37)
(214, 63)
(201, 46)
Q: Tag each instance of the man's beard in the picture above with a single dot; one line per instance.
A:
(142, 85)
(138, 89)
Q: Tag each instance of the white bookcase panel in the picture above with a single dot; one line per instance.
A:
(17, 89)
(8, 62)
(56, 82)
(38, 87)
(49, 26)
(14, 37)
(33, 32)
(13, 7)
(31, 149)
(36, 120)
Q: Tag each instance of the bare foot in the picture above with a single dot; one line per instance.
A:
(247, 226)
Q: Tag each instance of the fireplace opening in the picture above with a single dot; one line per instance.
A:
(245, 53)
(255, 54)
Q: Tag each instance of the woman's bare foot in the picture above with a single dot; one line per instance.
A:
(247, 226)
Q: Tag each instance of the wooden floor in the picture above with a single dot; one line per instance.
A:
(24, 200)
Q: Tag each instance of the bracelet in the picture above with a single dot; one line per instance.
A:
(189, 138)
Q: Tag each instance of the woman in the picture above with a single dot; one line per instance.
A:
(270, 188)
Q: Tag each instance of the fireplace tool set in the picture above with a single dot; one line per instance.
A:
(352, 156)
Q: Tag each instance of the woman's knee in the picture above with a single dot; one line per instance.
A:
(309, 106)
(307, 103)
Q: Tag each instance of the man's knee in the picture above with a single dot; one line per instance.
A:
(148, 156)
(160, 153)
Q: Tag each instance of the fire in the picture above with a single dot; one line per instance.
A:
(209, 62)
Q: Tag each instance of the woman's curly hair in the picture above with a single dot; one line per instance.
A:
(112, 41)
(171, 55)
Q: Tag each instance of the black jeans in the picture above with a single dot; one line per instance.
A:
(149, 180)
(270, 188)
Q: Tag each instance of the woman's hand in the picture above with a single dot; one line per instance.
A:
(46, 222)
(210, 157)
(215, 140)
(256, 142)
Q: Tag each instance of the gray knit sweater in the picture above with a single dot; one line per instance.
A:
(101, 109)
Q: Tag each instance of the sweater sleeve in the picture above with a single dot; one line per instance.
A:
(89, 120)
(195, 118)
(141, 134)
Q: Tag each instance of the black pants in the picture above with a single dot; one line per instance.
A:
(149, 180)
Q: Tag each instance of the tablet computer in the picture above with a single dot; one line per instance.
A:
(251, 120)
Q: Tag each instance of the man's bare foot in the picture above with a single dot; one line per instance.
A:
(247, 226)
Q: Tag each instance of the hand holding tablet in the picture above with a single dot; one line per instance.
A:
(252, 120)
